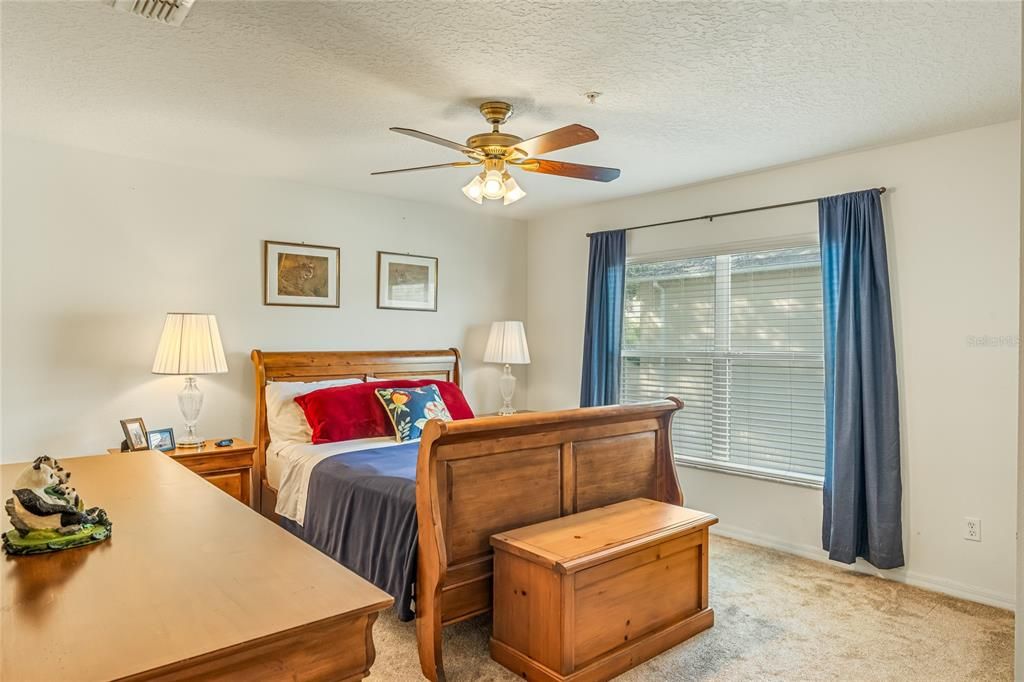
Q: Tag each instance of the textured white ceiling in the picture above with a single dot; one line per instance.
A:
(307, 90)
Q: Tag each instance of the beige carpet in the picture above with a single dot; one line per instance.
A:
(777, 617)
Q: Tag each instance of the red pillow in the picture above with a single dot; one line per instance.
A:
(349, 412)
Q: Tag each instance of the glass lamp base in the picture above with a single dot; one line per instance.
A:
(189, 442)
(507, 386)
(190, 402)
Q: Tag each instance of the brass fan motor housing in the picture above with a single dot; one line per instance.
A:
(494, 144)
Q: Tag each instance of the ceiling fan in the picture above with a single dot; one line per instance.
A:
(499, 152)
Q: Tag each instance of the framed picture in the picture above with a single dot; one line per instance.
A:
(161, 439)
(406, 282)
(301, 275)
(135, 434)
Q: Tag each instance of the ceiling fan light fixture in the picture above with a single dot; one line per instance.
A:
(474, 190)
(493, 187)
(513, 192)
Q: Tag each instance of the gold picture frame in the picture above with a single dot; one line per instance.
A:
(406, 281)
(303, 275)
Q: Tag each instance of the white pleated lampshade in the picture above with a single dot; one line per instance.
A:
(507, 344)
(190, 344)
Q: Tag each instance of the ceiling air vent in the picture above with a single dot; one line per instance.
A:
(170, 12)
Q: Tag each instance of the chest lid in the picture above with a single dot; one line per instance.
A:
(572, 543)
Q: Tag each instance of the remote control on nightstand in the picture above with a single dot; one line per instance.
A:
(224, 443)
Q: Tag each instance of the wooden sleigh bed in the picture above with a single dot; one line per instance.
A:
(478, 477)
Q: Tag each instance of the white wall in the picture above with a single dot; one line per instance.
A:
(952, 222)
(98, 248)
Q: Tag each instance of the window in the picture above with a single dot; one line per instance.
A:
(738, 338)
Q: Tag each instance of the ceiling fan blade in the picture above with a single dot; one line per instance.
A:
(569, 136)
(427, 137)
(456, 164)
(570, 170)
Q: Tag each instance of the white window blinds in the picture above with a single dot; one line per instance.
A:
(738, 337)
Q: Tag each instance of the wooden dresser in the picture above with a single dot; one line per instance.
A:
(191, 585)
(588, 596)
(229, 468)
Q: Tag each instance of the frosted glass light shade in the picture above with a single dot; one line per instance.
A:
(474, 190)
(507, 344)
(190, 344)
(493, 187)
(513, 192)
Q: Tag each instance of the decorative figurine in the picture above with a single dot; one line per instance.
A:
(48, 515)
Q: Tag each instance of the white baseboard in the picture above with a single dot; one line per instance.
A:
(928, 582)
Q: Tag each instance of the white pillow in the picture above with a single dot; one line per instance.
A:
(285, 419)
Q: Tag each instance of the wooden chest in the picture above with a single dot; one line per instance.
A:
(588, 596)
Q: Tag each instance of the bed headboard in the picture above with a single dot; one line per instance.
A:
(321, 365)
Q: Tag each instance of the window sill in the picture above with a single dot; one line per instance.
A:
(798, 481)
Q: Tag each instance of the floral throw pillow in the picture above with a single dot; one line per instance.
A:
(410, 408)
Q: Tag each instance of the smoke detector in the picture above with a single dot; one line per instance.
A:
(170, 12)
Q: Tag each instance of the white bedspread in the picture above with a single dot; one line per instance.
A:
(289, 467)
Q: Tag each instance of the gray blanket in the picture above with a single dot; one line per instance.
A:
(361, 511)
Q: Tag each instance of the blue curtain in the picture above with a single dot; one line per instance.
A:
(862, 490)
(602, 336)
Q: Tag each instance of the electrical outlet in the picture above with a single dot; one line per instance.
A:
(972, 529)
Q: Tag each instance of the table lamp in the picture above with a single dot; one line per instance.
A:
(189, 345)
(507, 345)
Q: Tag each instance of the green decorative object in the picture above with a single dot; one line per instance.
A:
(48, 515)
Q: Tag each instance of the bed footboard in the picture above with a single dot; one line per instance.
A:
(478, 477)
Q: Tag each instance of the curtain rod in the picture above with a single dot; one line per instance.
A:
(712, 216)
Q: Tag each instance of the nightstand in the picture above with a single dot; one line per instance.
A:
(229, 468)
(495, 414)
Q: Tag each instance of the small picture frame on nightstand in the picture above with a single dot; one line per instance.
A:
(135, 434)
(161, 439)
